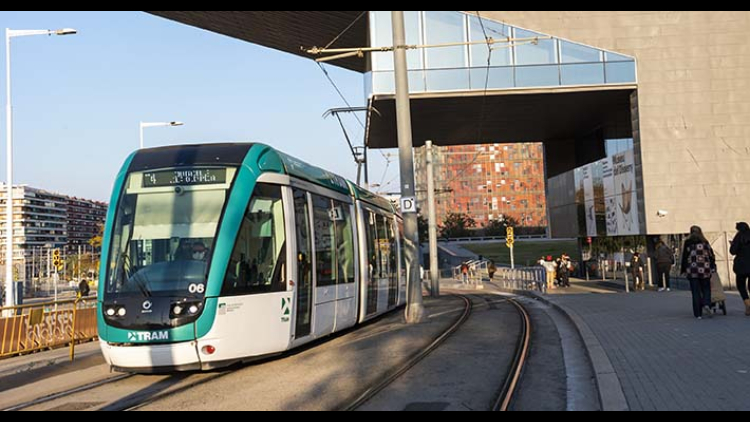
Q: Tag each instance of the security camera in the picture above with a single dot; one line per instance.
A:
(662, 213)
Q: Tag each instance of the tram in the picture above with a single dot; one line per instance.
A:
(221, 253)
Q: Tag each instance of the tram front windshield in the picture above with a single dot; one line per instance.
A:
(164, 232)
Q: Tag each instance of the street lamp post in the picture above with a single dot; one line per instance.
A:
(156, 124)
(10, 297)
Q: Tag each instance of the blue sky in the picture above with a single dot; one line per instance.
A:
(77, 99)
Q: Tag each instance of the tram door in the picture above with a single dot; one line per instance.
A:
(304, 265)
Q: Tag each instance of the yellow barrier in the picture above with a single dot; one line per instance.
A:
(29, 328)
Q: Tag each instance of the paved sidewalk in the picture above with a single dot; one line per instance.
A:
(663, 357)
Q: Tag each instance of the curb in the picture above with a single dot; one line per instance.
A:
(611, 396)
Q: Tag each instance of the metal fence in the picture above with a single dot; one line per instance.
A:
(526, 278)
(29, 328)
(476, 274)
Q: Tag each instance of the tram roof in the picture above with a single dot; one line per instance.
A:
(302, 170)
(364, 195)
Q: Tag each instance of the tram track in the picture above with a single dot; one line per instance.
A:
(126, 392)
(508, 384)
(385, 382)
(66, 393)
(509, 387)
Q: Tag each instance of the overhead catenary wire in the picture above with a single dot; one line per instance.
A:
(359, 51)
(480, 127)
(330, 79)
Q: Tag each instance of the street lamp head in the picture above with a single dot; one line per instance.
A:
(176, 123)
(65, 31)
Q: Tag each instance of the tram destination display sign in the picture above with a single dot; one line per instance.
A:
(184, 177)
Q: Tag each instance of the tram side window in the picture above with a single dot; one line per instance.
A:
(402, 254)
(344, 242)
(325, 257)
(258, 260)
(393, 255)
(384, 245)
(373, 253)
(334, 243)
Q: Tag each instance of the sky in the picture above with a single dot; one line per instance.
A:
(77, 100)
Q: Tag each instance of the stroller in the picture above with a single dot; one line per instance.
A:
(718, 297)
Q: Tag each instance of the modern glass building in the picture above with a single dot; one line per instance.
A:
(648, 108)
(516, 58)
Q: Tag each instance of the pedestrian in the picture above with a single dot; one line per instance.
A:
(698, 263)
(664, 262)
(563, 271)
(550, 266)
(491, 270)
(83, 288)
(636, 270)
(465, 273)
(741, 250)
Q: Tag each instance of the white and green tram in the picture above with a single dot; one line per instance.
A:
(220, 253)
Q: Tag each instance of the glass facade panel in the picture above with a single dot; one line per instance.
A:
(449, 79)
(577, 53)
(440, 28)
(381, 36)
(582, 74)
(499, 78)
(383, 82)
(528, 54)
(617, 146)
(621, 72)
(547, 63)
(537, 76)
(416, 81)
(614, 57)
(478, 53)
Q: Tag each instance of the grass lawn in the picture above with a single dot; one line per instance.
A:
(527, 251)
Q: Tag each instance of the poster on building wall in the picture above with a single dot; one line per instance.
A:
(599, 208)
(610, 196)
(625, 193)
(590, 203)
(580, 200)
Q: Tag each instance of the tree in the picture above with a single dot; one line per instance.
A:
(423, 227)
(96, 241)
(498, 227)
(494, 228)
(457, 225)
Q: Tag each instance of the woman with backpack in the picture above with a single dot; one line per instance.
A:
(741, 250)
(698, 263)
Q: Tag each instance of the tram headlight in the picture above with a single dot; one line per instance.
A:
(193, 309)
(177, 310)
(111, 312)
(121, 312)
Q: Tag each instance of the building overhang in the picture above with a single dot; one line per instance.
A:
(528, 115)
(288, 31)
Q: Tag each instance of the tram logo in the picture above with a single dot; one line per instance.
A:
(147, 305)
(147, 336)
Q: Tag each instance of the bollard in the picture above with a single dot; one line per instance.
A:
(627, 282)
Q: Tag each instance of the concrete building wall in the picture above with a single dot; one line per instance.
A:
(693, 102)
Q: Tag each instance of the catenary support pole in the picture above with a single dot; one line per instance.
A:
(432, 216)
(415, 309)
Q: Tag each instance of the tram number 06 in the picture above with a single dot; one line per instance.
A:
(197, 288)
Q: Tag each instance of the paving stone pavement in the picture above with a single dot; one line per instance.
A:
(664, 358)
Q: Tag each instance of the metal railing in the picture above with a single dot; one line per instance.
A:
(493, 238)
(476, 274)
(528, 278)
(29, 328)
